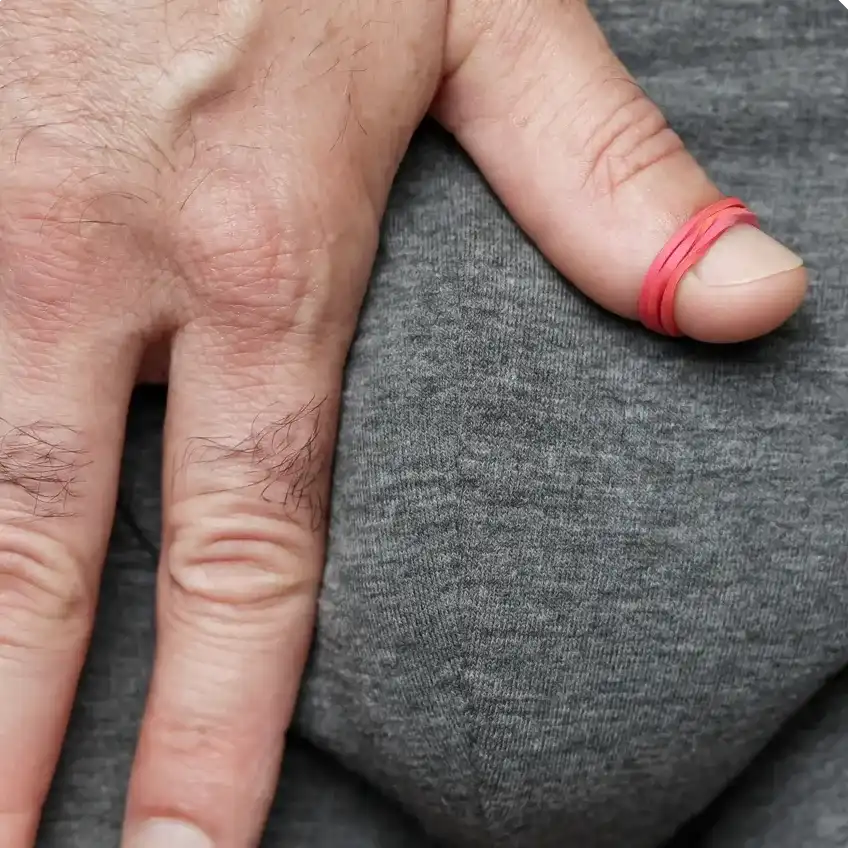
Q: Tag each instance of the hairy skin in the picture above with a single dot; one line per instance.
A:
(43, 462)
(284, 461)
(191, 191)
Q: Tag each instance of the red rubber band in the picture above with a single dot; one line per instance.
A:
(686, 247)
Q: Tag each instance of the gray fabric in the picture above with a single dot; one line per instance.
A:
(578, 576)
(796, 793)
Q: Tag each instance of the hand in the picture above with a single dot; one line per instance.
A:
(209, 176)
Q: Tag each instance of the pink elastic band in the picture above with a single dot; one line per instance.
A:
(686, 247)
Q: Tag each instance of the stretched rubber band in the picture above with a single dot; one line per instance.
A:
(685, 249)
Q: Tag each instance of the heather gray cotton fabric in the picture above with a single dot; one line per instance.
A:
(578, 576)
(796, 793)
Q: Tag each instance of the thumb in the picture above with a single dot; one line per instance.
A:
(588, 166)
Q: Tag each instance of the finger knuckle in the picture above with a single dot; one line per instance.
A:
(38, 276)
(263, 255)
(44, 596)
(624, 138)
(232, 556)
(58, 248)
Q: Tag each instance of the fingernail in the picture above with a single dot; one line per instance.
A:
(742, 255)
(162, 833)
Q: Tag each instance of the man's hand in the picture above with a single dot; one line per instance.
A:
(206, 178)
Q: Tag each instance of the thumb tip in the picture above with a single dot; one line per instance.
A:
(745, 287)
